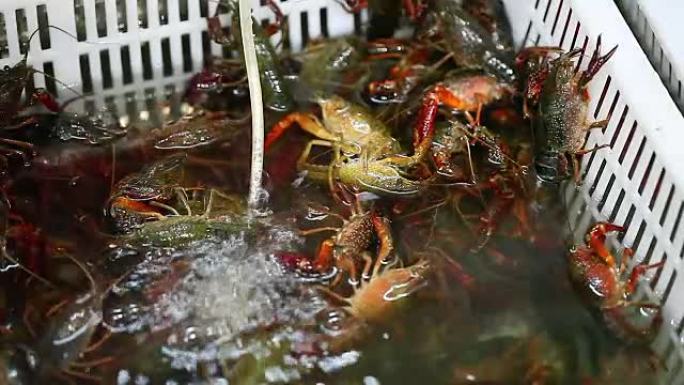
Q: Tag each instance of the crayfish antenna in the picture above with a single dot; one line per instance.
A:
(535, 52)
(84, 269)
(5, 256)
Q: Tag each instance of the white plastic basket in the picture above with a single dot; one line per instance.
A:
(657, 26)
(149, 33)
(636, 182)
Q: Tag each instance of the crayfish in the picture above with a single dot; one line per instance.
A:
(145, 195)
(71, 335)
(470, 43)
(476, 37)
(276, 93)
(198, 129)
(351, 241)
(157, 194)
(15, 82)
(600, 281)
(365, 156)
(221, 216)
(17, 94)
(376, 298)
(560, 101)
(469, 91)
(382, 285)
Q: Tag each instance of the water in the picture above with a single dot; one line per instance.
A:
(207, 295)
(223, 308)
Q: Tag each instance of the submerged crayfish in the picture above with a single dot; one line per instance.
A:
(600, 280)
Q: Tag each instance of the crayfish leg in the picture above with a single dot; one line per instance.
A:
(414, 10)
(353, 6)
(384, 234)
(308, 123)
(599, 124)
(325, 256)
(448, 98)
(596, 240)
(217, 33)
(317, 230)
(46, 99)
(637, 272)
(535, 52)
(279, 23)
(386, 48)
(576, 166)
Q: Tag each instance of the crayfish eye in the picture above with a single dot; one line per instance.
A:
(7, 68)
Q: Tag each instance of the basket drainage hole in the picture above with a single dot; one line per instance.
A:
(163, 12)
(107, 81)
(121, 16)
(183, 10)
(101, 17)
(22, 30)
(79, 12)
(43, 24)
(187, 54)
(146, 60)
(166, 57)
(50, 84)
(126, 71)
(204, 8)
(324, 22)
(304, 22)
(4, 44)
(142, 14)
(86, 76)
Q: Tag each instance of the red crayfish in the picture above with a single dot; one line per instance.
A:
(600, 280)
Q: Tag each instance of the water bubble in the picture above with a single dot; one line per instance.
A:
(124, 121)
(123, 377)
(334, 363)
(126, 317)
(277, 374)
(261, 208)
(141, 380)
(299, 180)
(366, 196)
(317, 213)
(228, 290)
(334, 321)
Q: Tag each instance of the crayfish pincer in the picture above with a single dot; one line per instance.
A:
(559, 99)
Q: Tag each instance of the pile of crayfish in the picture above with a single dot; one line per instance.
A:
(413, 227)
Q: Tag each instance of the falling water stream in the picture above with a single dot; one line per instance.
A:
(256, 102)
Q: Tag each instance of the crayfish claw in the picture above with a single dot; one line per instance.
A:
(596, 63)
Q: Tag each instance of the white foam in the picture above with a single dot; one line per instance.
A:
(229, 289)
